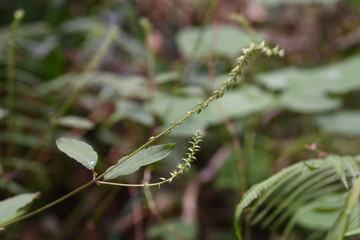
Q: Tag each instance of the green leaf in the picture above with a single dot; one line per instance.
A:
(279, 79)
(335, 78)
(308, 101)
(343, 122)
(242, 102)
(223, 40)
(352, 232)
(339, 168)
(9, 207)
(3, 113)
(142, 158)
(75, 122)
(78, 150)
(311, 168)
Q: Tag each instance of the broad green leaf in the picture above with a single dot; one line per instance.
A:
(279, 79)
(75, 122)
(159, 231)
(342, 77)
(9, 207)
(337, 78)
(309, 101)
(343, 122)
(223, 40)
(142, 158)
(78, 150)
(3, 113)
(242, 102)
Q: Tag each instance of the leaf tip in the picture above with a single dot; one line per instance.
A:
(171, 145)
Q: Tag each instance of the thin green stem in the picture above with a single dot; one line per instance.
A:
(130, 184)
(150, 59)
(246, 25)
(208, 15)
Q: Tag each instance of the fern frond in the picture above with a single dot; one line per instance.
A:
(256, 190)
(282, 194)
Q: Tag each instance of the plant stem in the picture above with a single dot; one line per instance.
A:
(150, 55)
(18, 16)
(130, 184)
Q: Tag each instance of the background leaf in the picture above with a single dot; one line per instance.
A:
(343, 122)
(75, 122)
(224, 40)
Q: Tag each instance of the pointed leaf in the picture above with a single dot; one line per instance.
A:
(352, 232)
(10, 206)
(76, 122)
(78, 150)
(339, 168)
(142, 158)
(311, 168)
(3, 113)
